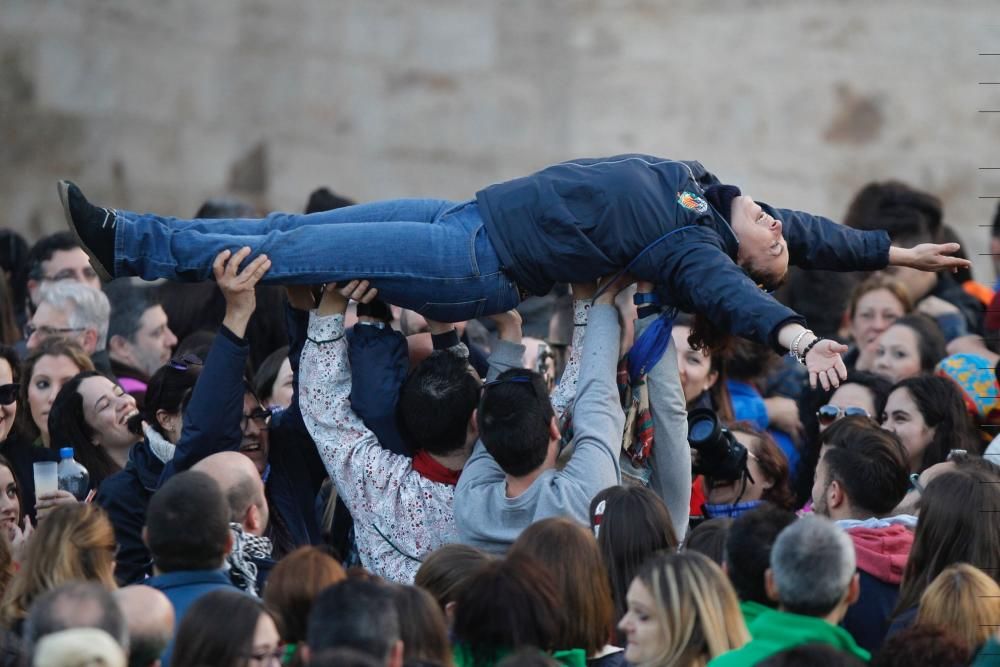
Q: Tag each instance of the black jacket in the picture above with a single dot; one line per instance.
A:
(589, 218)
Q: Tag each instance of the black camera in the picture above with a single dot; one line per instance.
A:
(720, 455)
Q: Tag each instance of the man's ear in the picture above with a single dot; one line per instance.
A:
(229, 543)
(854, 589)
(251, 520)
(90, 340)
(554, 432)
(835, 496)
(449, 613)
(118, 345)
(770, 587)
(145, 537)
(472, 428)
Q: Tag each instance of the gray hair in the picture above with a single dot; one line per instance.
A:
(812, 563)
(87, 308)
(77, 604)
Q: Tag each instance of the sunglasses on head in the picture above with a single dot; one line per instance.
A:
(185, 362)
(513, 379)
(8, 393)
(831, 413)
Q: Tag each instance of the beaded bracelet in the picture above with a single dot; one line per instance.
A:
(809, 347)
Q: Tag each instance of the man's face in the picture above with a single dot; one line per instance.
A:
(48, 322)
(154, 342)
(256, 443)
(763, 250)
(65, 265)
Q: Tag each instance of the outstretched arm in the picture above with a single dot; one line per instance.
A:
(815, 242)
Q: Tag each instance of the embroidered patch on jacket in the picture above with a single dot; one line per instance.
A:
(692, 202)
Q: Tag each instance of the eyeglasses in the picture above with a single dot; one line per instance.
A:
(513, 379)
(260, 416)
(31, 329)
(831, 413)
(185, 362)
(8, 393)
(84, 275)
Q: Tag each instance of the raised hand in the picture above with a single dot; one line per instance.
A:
(509, 325)
(238, 286)
(335, 299)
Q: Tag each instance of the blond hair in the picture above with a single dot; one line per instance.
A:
(965, 599)
(73, 543)
(696, 608)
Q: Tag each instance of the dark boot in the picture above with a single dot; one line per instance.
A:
(93, 226)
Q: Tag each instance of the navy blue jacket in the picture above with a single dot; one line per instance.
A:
(182, 589)
(296, 470)
(125, 495)
(589, 218)
(868, 619)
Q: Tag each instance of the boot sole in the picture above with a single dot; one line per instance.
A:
(102, 273)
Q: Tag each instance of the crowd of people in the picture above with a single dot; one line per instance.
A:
(305, 474)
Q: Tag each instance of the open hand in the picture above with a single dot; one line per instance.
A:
(608, 291)
(825, 365)
(509, 325)
(929, 257)
(238, 285)
(334, 301)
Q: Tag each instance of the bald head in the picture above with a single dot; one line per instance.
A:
(240, 482)
(150, 618)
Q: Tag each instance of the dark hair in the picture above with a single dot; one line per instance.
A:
(218, 629)
(187, 524)
(748, 550)
(448, 569)
(436, 402)
(589, 620)
(709, 538)
(170, 390)
(951, 530)
(942, 407)
(10, 333)
(931, 344)
(43, 250)
(634, 524)
(811, 655)
(344, 657)
(869, 463)
(324, 199)
(507, 605)
(294, 583)
(129, 302)
(5, 463)
(422, 627)
(77, 604)
(922, 645)
(357, 614)
(772, 462)
(13, 257)
(514, 418)
(748, 360)
(68, 427)
(267, 373)
(225, 207)
(811, 401)
(902, 211)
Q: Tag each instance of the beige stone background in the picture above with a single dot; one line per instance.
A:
(158, 104)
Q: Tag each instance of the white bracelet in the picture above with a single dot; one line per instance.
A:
(794, 348)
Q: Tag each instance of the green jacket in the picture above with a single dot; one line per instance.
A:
(775, 631)
(989, 654)
(751, 610)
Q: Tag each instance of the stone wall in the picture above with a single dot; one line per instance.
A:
(159, 104)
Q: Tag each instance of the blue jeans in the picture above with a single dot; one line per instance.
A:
(431, 256)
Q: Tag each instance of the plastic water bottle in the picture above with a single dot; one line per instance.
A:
(73, 477)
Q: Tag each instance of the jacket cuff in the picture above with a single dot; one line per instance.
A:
(233, 338)
(325, 329)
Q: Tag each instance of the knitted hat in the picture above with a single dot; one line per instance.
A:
(721, 198)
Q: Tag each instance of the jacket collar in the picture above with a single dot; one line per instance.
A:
(145, 465)
(189, 578)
